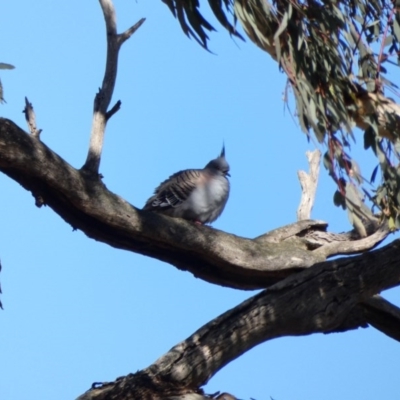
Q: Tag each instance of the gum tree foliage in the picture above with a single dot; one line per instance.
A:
(3, 66)
(335, 55)
(319, 47)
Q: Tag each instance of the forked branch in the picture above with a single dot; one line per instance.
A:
(209, 254)
(103, 97)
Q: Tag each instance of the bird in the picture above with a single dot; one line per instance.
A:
(197, 195)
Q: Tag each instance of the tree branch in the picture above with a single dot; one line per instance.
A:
(217, 257)
(122, 37)
(85, 203)
(31, 119)
(326, 296)
(309, 183)
(103, 97)
(383, 315)
(113, 110)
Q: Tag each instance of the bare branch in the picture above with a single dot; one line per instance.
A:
(113, 110)
(383, 316)
(308, 184)
(354, 247)
(325, 297)
(289, 231)
(103, 97)
(209, 254)
(129, 32)
(31, 119)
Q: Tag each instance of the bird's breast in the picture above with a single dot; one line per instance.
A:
(208, 199)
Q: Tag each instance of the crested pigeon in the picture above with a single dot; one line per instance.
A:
(198, 195)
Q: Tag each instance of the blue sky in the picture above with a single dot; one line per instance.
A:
(78, 311)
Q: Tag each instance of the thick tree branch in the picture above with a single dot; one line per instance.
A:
(326, 297)
(103, 97)
(85, 203)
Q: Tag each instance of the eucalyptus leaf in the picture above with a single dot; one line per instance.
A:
(6, 66)
(373, 175)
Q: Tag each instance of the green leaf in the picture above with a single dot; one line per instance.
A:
(357, 223)
(356, 171)
(392, 224)
(1, 93)
(396, 28)
(339, 200)
(388, 40)
(328, 162)
(282, 25)
(373, 175)
(6, 66)
(397, 146)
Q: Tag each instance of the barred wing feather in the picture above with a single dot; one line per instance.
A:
(173, 191)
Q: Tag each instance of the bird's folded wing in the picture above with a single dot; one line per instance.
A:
(175, 190)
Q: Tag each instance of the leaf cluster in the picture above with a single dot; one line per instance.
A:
(336, 56)
(193, 23)
(3, 66)
(335, 53)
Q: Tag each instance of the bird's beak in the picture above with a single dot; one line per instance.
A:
(227, 174)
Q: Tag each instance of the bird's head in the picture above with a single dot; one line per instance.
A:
(220, 164)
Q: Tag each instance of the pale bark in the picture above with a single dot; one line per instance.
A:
(306, 294)
(309, 183)
(103, 98)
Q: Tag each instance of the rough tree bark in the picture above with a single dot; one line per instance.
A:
(306, 293)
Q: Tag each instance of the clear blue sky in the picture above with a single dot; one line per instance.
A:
(79, 311)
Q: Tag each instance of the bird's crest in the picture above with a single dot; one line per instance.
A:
(223, 150)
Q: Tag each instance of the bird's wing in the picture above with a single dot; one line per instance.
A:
(175, 190)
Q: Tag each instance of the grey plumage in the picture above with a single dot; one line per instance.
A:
(198, 195)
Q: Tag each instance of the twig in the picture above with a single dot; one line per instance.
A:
(31, 119)
(113, 110)
(103, 97)
(353, 247)
(122, 37)
(308, 184)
